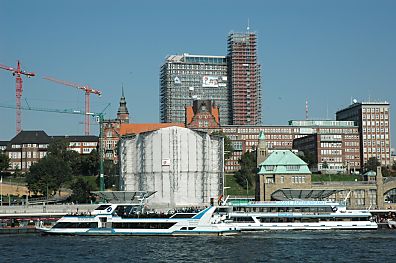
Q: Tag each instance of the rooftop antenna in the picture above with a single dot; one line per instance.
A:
(248, 25)
(306, 109)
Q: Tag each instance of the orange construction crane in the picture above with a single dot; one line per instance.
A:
(18, 90)
(88, 90)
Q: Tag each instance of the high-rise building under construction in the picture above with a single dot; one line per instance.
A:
(185, 78)
(232, 82)
(244, 78)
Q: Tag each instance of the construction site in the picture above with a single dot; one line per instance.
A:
(244, 77)
(184, 167)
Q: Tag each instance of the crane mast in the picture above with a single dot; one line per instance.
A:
(18, 90)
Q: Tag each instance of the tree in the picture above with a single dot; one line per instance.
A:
(372, 164)
(325, 165)
(386, 172)
(4, 162)
(248, 169)
(90, 163)
(48, 175)
(51, 172)
(81, 191)
(72, 158)
(228, 148)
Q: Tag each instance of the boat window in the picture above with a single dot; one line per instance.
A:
(243, 219)
(283, 209)
(102, 207)
(183, 215)
(305, 209)
(313, 209)
(222, 210)
(309, 219)
(126, 210)
(76, 225)
(144, 225)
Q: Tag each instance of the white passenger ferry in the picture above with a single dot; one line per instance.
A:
(132, 219)
(296, 215)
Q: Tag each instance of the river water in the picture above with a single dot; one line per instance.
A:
(269, 246)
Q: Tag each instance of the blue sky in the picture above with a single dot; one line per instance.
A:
(326, 51)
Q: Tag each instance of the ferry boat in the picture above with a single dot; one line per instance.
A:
(132, 219)
(296, 215)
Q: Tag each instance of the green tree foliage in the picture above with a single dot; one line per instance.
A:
(228, 148)
(81, 191)
(90, 163)
(4, 162)
(50, 173)
(386, 172)
(54, 170)
(248, 169)
(111, 174)
(371, 164)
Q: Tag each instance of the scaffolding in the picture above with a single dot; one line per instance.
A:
(184, 167)
(182, 79)
(245, 80)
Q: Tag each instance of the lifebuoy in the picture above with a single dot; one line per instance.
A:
(109, 209)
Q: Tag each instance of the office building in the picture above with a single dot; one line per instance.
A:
(280, 137)
(185, 78)
(373, 120)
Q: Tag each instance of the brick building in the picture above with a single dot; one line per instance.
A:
(245, 79)
(203, 115)
(111, 130)
(28, 147)
(245, 138)
(331, 152)
(373, 121)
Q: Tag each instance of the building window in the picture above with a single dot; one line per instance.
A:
(269, 167)
(292, 167)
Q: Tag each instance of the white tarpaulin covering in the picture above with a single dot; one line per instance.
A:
(184, 167)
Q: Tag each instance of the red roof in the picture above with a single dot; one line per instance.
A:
(136, 128)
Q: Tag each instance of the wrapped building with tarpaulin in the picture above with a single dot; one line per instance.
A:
(184, 167)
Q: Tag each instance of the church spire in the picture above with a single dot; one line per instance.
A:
(122, 113)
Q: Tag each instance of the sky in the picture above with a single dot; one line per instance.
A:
(328, 52)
